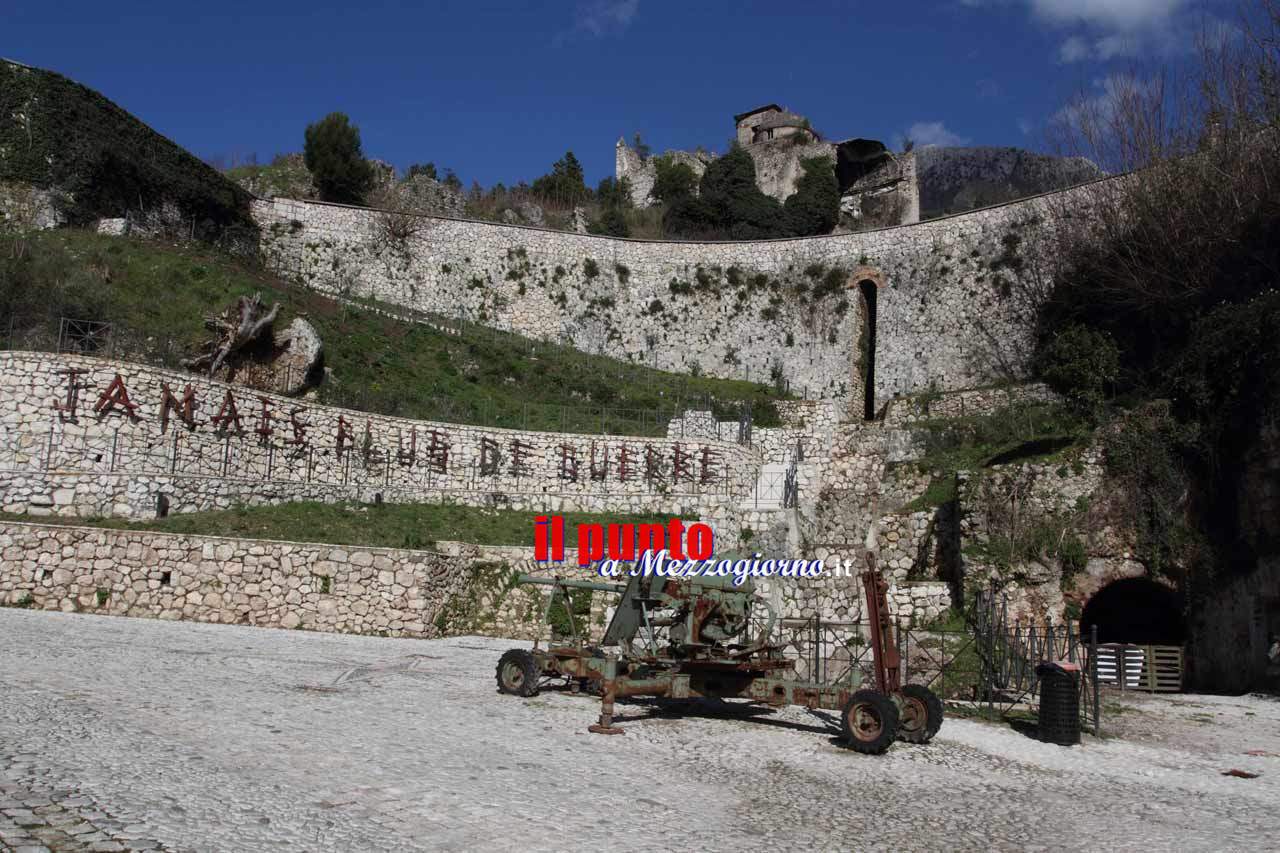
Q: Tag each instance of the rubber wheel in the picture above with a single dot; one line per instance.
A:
(518, 673)
(869, 722)
(921, 714)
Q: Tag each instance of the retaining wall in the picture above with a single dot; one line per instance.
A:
(948, 307)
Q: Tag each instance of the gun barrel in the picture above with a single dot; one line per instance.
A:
(572, 584)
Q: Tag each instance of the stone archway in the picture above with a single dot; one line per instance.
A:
(869, 282)
(1137, 611)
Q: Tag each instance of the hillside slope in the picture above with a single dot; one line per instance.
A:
(157, 296)
(56, 134)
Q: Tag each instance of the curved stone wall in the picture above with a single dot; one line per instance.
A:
(949, 311)
(86, 436)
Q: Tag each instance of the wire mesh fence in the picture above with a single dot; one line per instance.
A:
(958, 664)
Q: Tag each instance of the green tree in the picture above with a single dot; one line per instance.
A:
(564, 184)
(614, 197)
(334, 157)
(729, 203)
(673, 180)
(641, 147)
(814, 207)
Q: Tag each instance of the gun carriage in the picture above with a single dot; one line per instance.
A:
(689, 638)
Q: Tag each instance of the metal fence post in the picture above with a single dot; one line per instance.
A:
(1093, 675)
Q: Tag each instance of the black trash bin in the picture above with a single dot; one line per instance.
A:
(1059, 702)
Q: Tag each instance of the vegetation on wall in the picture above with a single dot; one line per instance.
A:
(814, 208)
(674, 181)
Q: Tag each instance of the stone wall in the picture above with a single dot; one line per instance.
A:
(960, 404)
(456, 589)
(949, 307)
(210, 579)
(69, 460)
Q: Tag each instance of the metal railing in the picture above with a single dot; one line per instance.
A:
(949, 661)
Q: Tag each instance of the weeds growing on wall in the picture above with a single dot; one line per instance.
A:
(1025, 432)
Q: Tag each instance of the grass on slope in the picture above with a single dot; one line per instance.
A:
(384, 526)
(161, 294)
(1036, 432)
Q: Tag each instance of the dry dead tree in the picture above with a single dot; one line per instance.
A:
(240, 325)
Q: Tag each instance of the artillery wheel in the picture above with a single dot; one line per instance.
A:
(921, 715)
(869, 722)
(518, 673)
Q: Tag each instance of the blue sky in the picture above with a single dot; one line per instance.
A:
(499, 90)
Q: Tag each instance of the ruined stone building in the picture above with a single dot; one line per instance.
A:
(877, 187)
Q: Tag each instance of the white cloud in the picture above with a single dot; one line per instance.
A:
(924, 133)
(1074, 49)
(1078, 48)
(1110, 93)
(1101, 30)
(605, 17)
(1108, 14)
(598, 18)
(1025, 126)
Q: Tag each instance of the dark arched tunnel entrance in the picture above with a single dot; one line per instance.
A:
(1137, 611)
(868, 349)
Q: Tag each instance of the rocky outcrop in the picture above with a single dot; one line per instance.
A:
(286, 176)
(295, 363)
(953, 180)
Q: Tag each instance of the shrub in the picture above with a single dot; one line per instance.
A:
(590, 268)
(334, 157)
(1146, 453)
(612, 222)
(1082, 364)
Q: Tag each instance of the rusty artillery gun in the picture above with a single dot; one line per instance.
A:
(689, 638)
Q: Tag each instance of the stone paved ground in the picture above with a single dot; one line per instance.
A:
(134, 734)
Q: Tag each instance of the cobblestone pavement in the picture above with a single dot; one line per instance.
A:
(135, 734)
